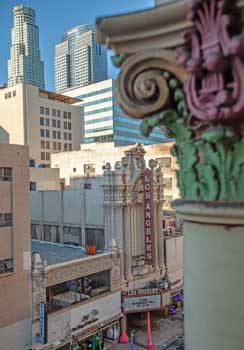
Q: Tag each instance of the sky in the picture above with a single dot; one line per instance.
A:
(54, 17)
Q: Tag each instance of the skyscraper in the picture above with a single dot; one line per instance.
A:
(25, 65)
(79, 59)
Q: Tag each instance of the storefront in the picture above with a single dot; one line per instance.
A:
(96, 323)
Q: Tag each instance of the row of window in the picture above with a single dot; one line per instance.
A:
(99, 110)
(10, 94)
(79, 290)
(90, 131)
(5, 219)
(55, 112)
(98, 120)
(96, 102)
(94, 93)
(56, 134)
(5, 174)
(56, 147)
(55, 123)
(99, 138)
(164, 162)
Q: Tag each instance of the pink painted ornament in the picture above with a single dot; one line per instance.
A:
(214, 60)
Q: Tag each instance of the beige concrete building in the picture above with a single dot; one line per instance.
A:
(44, 179)
(15, 263)
(45, 121)
(91, 159)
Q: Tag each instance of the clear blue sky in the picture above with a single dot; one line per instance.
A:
(53, 18)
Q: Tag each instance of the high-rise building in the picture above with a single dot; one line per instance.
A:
(105, 121)
(25, 65)
(79, 59)
(15, 249)
(45, 121)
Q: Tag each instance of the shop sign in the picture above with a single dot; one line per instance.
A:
(148, 193)
(95, 312)
(43, 323)
(143, 303)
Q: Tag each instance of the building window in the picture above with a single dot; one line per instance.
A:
(47, 111)
(70, 147)
(89, 170)
(42, 133)
(47, 144)
(47, 133)
(14, 93)
(47, 122)
(54, 146)
(47, 156)
(54, 123)
(65, 115)
(54, 134)
(69, 136)
(5, 219)
(42, 144)
(41, 121)
(168, 201)
(42, 155)
(41, 110)
(58, 113)
(6, 266)
(54, 112)
(58, 135)
(65, 125)
(164, 163)
(69, 115)
(5, 174)
(59, 146)
(65, 136)
(69, 126)
(65, 147)
(79, 290)
(32, 163)
(58, 124)
(9, 94)
(6, 96)
(168, 183)
(74, 170)
(32, 186)
(95, 237)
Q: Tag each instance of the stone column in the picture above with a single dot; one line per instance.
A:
(213, 279)
(127, 243)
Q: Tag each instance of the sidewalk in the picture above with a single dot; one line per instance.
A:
(164, 330)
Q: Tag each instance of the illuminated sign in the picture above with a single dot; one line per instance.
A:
(143, 303)
(148, 193)
(138, 292)
(43, 323)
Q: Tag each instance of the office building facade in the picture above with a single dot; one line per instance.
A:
(79, 59)
(45, 121)
(105, 121)
(25, 65)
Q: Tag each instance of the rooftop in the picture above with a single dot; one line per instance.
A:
(58, 97)
(54, 253)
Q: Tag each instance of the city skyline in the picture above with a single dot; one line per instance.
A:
(53, 27)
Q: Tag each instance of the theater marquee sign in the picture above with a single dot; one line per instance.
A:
(142, 300)
(148, 200)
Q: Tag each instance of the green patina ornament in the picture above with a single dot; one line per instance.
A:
(119, 59)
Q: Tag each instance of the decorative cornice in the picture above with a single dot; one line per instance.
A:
(160, 27)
